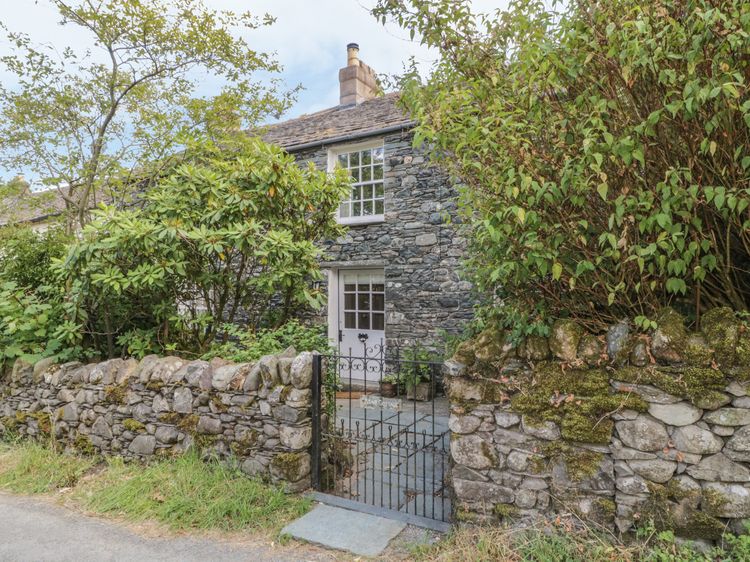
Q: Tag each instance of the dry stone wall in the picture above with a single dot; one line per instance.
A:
(624, 428)
(258, 414)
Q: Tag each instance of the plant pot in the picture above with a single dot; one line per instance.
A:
(388, 389)
(422, 392)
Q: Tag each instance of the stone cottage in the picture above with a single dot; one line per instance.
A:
(394, 277)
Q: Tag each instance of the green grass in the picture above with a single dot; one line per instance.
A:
(187, 493)
(29, 467)
(182, 493)
(566, 544)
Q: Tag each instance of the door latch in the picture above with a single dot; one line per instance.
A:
(362, 337)
(341, 336)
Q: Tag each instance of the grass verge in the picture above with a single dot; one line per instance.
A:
(28, 467)
(188, 493)
(550, 544)
(182, 493)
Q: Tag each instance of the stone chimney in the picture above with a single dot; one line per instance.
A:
(357, 80)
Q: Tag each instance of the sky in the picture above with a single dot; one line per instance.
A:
(309, 39)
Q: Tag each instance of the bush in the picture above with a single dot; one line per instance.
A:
(605, 151)
(26, 256)
(246, 345)
(229, 233)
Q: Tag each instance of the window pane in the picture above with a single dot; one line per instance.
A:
(363, 320)
(366, 174)
(349, 320)
(366, 157)
(377, 172)
(378, 301)
(378, 190)
(363, 301)
(343, 161)
(378, 322)
(350, 300)
(367, 192)
(344, 209)
(355, 174)
(350, 287)
(356, 209)
(367, 208)
(354, 159)
(377, 154)
(363, 287)
(378, 287)
(379, 207)
(356, 193)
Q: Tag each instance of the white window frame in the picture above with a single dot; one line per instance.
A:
(333, 154)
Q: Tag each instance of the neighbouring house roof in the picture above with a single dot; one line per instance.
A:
(340, 123)
(31, 207)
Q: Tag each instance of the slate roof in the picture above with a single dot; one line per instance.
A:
(338, 123)
(31, 207)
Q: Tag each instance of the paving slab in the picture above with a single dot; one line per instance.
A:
(333, 527)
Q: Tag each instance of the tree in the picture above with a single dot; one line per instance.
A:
(229, 235)
(84, 122)
(605, 150)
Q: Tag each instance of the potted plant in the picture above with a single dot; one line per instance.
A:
(415, 375)
(389, 386)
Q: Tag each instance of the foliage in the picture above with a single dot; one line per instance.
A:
(415, 366)
(93, 121)
(29, 467)
(33, 314)
(33, 326)
(246, 346)
(603, 147)
(232, 231)
(187, 493)
(26, 256)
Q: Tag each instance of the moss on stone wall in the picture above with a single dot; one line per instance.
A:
(673, 508)
(133, 425)
(580, 464)
(692, 383)
(580, 401)
(116, 393)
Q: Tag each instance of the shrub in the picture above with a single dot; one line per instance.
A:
(604, 147)
(246, 345)
(34, 325)
(230, 231)
(26, 256)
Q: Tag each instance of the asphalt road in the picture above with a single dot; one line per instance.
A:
(39, 531)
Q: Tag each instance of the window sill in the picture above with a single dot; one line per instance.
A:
(361, 221)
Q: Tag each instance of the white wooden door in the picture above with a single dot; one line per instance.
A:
(362, 316)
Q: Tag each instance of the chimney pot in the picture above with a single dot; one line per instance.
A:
(357, 81)
(352, 54)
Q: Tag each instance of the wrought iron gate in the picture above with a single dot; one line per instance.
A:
(382, 447)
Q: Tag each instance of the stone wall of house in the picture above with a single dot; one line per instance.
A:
(419, 244)
(624, 428)
(258, 414)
